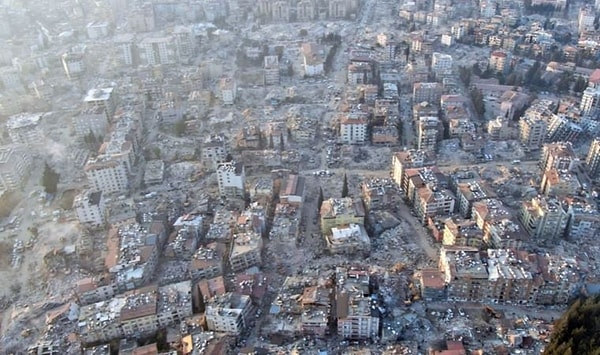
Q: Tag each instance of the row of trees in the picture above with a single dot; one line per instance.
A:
(577, 331)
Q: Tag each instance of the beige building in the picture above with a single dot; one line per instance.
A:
(339, 212)
(544, 219)
(229, 313)
(559, 183)
(532, 132)
(432, 202)
(559, 156)
(245, 251)
(462, 232)
(90, 208)
(409, 159)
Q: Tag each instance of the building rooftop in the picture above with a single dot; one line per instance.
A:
(23, 120)
(341, 206)
(100, 94)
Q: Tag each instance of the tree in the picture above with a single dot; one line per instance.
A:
(50, 179)
(576, 332)
(281, 143)
(180, 127)
(303, 33)
(345, 186)
(464, 74)
(478, 103)
(271, 145)
(580, 84)
(320, 199)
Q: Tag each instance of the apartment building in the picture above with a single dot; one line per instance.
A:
(590, 101)
(441, 63)
(584, 219)
(559, 156)
(499, 61)
(90, 208)
(532, 132)
(231, 177)
(157, 50)
(126, 49)
(15, 165)
(229, 313)
(559, 183)
(462, 232)
(140, 312)
(337, 212)
(293, 190)
(11, 80)
(245, 251)
(409, 159)
(470, 192)
(227, 90)
(428, 133)
(427, 92)
(90, 120)
(592, 160)
(104, 99)
(74, 63)
(349, 239)
(25, 128)
(271, 68)
(353, 129)
(378, 193)
(432, 201)
(355, 316)
(544, 219)
(316, 309)
(207, 262)
(313, 59)
(107, 175)
(586, 19)
(214, 151)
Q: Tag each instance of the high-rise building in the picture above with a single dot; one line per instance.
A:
(229, 313)
(544, 219)
(532, 132)
(24, 128)
(231, 178)
(104, 98)
(15, 164)
(592, 161)
(90, 208)
(590, 101)
(428, 129)
(107, 175)
(353, 129)
(157, 50)
(585, 20)
(126, 49)
(271, 67)
(557, 156)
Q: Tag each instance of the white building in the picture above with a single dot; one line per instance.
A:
(15, 165)
(590, 100)
(97, 29)
(232, 179)
(104, 98)
(157, 50)
(107, 175)
(74, 63)
(228, 313)
(90, 208)
(271, 67)
(126, 49)
(228, 90)
(348, 239)
(532, 131)
(24, 128)
(585, 20)
(353, 129)
(214, 152)
(441, 62)
(312, 59)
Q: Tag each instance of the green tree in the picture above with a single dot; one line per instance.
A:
(180, 127)
(50, 179)
(465, 74)
(478, 103)
(576, 332)
(271, 145)
(320, 199)
(580, 84)
(345, 186)
(156, 151)
(281, 143)
(303, 33)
